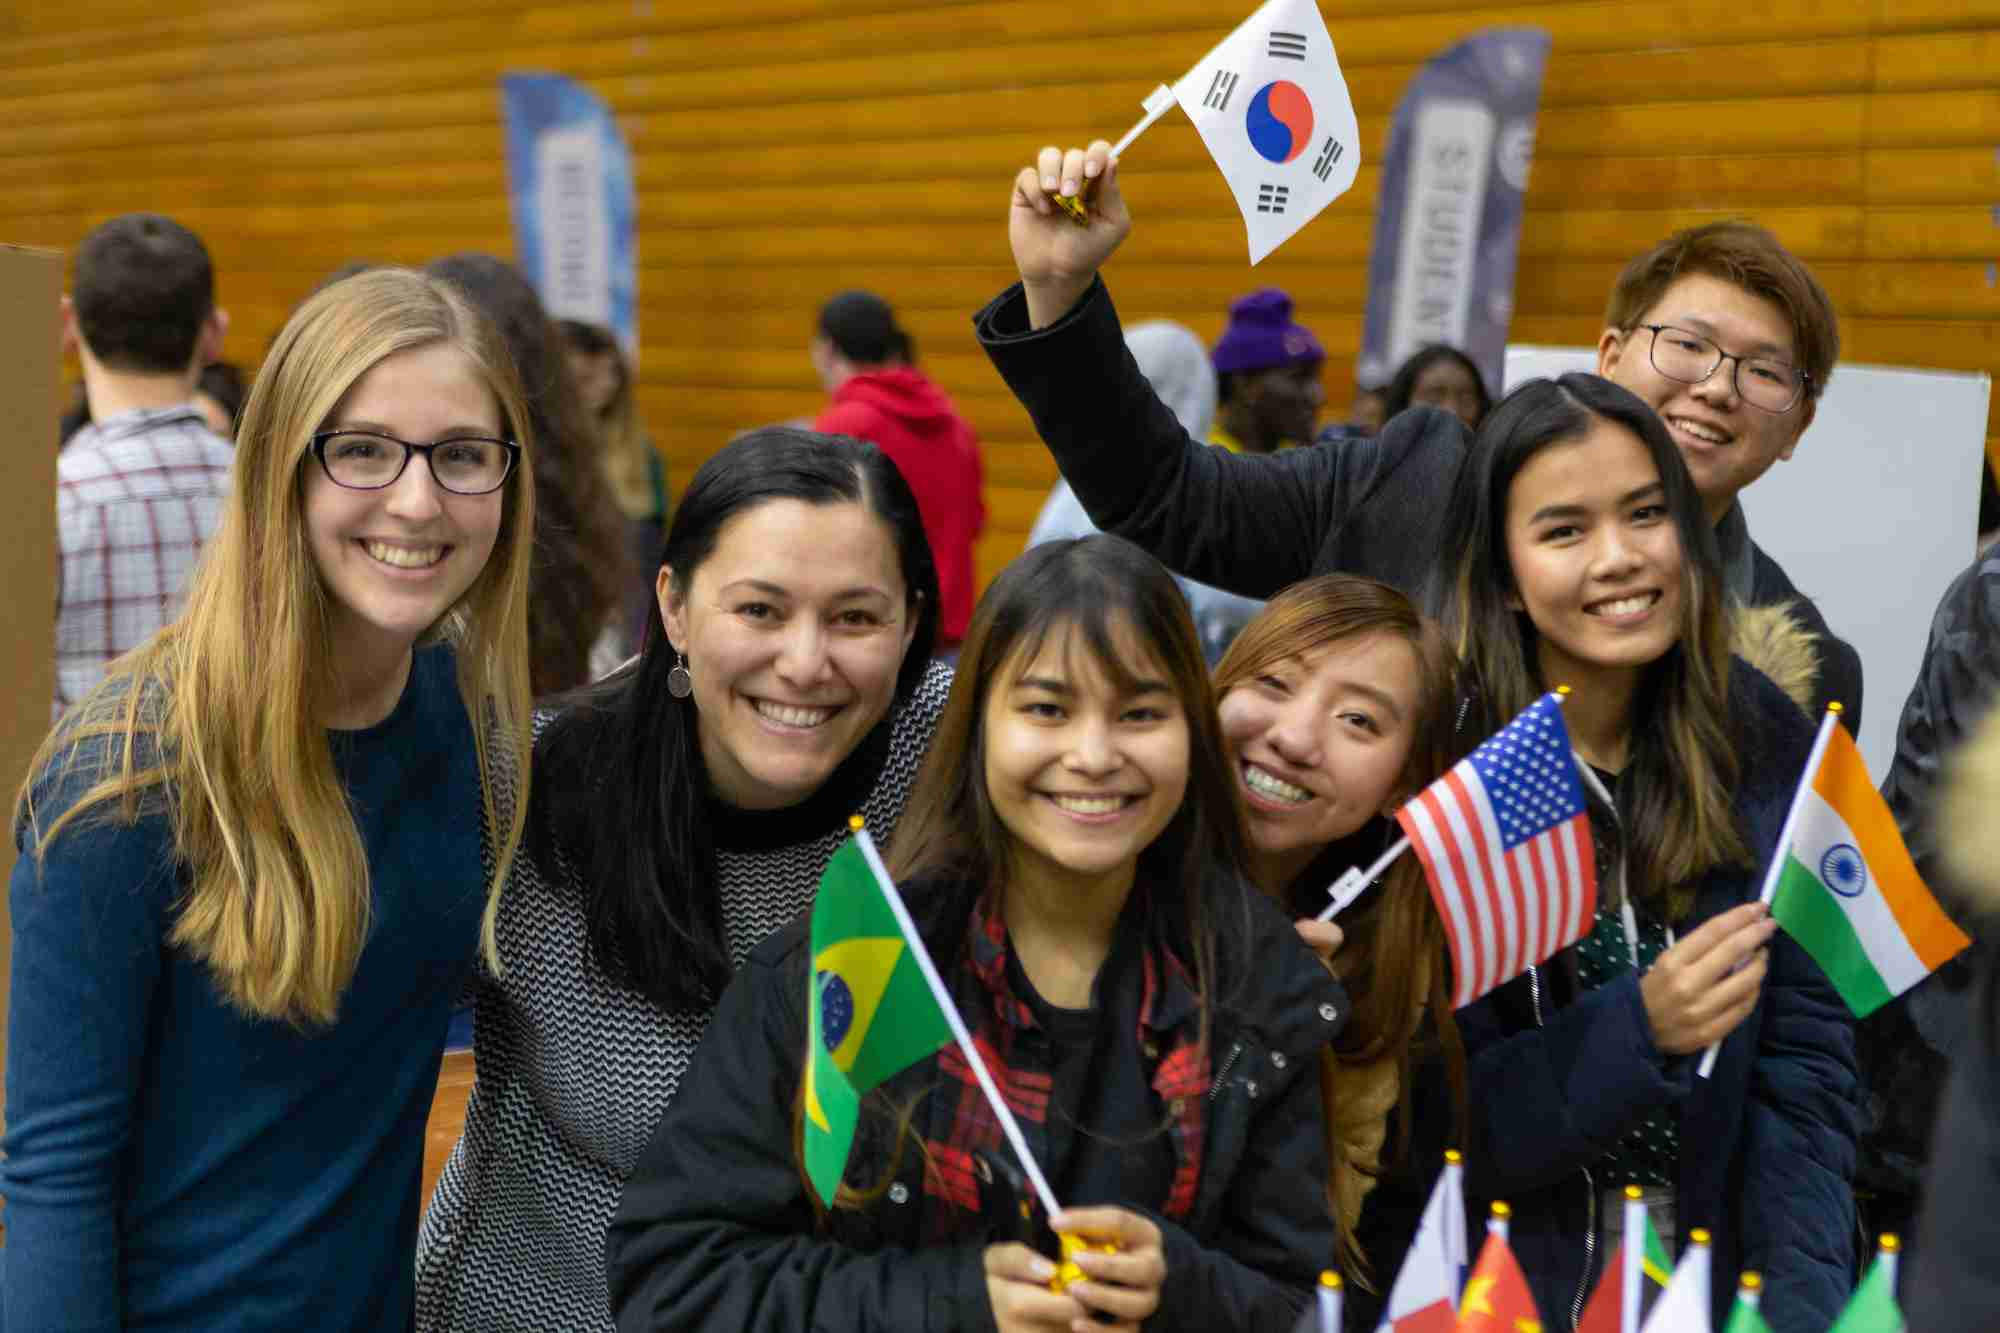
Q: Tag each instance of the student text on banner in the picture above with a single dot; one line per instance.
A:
(569, 183)
(1448, 214)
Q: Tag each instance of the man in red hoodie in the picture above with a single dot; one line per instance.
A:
(866, 363)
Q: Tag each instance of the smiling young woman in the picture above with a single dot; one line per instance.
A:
(1585, 558)
(257, 856)
(1072, 857)
(684, 808)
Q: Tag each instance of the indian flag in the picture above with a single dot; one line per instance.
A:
(1845, 888)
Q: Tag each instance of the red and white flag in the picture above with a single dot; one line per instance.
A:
(1425, 1297)
(1505, 841)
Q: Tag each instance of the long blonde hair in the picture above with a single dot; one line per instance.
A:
(219, 715)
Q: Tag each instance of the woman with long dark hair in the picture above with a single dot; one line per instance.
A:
(1584, 559)
(684, 808)
(1439, 375)
(579, 571)
(1338, 704)
(1073, 858)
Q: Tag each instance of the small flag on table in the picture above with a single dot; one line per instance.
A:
(1505, 842)
(1846, 888)
(1873, 1308)
(1323, 1315)
(1683, 1307)
(1638, 1267)
(1272, 106)
(870, 1011)
(1425, 1297)
(1496, 1297)
(1746, 1316)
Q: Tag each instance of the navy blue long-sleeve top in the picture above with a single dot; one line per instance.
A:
(173, 1163)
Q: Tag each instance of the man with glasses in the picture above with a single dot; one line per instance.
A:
(1728, 336)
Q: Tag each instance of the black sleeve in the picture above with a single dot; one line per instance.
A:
(714, 1230)
(1247, 524)
(1955, 1286)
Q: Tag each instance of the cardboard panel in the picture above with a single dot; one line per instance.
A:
(31, 287)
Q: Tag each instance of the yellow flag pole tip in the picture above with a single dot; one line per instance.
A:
(1330, 1280)
(1752, 1280)
(1835, 707)
(855, 823)
(1891, 1242)
(1502, 1211)
(1454, 1157)
(1562, 691)
(1699, 1236)
(1634, 1193)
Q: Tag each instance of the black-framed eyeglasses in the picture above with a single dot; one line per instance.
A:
(1766, 384)
(366, 460)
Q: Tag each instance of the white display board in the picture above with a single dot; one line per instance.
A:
(1872, 516)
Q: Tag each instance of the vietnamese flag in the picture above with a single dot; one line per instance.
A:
(1496, 1298)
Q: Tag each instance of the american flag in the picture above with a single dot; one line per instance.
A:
(1505, 842)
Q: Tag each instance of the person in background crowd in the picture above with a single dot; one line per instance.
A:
(1073, 859)
(219, 392)
(581, 567)
(867, 364)
(1441, 376)
(141, 487)
(1953, 1285)
(1585, 558)
(638, 477)
(1268, 368)
(1337, 704)
(1252, 525)
(255, 859)
(1173, 360)
(684, 808)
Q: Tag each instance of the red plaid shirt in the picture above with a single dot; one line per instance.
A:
(136, 496)
(1168, 1035)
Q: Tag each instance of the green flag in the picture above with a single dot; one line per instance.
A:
(1873, 1308)
(1745, 1316)
(1654, 1260)
(871, 1014)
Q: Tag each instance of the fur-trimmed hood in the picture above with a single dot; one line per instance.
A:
(1776, 641)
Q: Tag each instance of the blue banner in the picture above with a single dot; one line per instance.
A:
(1448, 217)
(569, 178)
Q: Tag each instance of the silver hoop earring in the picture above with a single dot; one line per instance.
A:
(680, 682)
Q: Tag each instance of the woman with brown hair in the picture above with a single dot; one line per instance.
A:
(1337, 706)
(1073, 860)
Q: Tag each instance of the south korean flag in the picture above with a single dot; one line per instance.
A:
(1273, 108)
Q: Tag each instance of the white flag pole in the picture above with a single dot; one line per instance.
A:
(1784, 848)
(1157, 104)
(1329, 1302)
(1008, 1126)
(1356, 881)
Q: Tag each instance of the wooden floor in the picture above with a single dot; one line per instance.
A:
(447, 1116)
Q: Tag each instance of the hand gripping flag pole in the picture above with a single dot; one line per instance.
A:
(1008, 1125)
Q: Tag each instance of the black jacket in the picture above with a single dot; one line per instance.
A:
(1250, 525)
(1839, 677)
(715, 1230)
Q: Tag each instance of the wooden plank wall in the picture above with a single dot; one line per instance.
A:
(788, 148)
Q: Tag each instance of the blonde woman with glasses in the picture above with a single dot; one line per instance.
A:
(256, 860)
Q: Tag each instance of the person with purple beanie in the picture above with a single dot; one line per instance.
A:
(1268, 371)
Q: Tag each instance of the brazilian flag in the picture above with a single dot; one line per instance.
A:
(870, 1012)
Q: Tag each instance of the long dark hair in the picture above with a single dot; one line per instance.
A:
(581, 565)
(620, 789)
(1100, 589)
(1397, 393)
(1675, 791)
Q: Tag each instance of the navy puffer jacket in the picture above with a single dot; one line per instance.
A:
(1558, 1074)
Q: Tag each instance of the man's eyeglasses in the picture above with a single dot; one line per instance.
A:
(366, 460)
(1770, 386)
